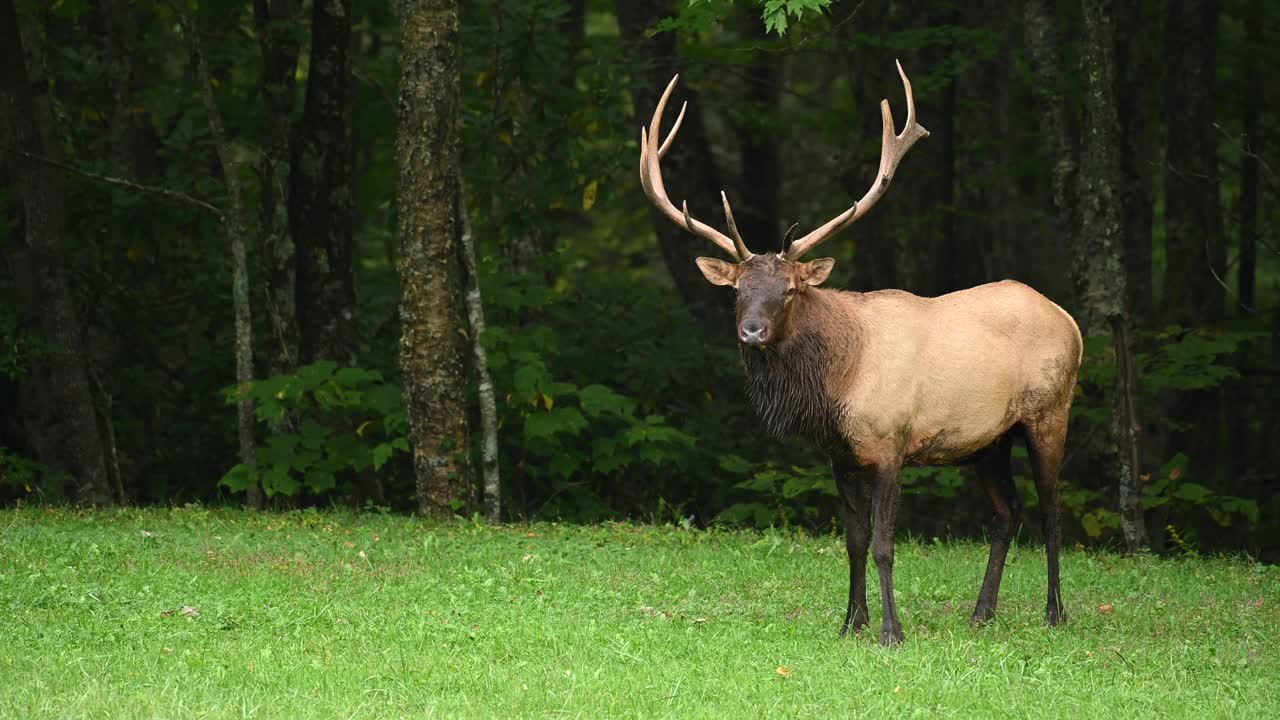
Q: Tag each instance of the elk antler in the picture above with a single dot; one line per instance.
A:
(892, 149)
(651, 180)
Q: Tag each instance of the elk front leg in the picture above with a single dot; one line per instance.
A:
(884, 501)
(855, 493)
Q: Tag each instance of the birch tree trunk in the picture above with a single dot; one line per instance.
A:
(237, 232)
(431, 352)
(492, 488)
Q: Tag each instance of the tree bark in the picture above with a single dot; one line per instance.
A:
(321, 200)
(1099, 258)
(273, 21)
(1135, 64)
(431, 354)
(492, 487)
(1195, 246)
(237, 236)
(1089, 217)
(65, 429)
(1251, 151)
(689, 168)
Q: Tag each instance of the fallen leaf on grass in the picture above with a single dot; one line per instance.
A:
(784, 671)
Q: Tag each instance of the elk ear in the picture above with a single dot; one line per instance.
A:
(718, 272)
(816, 272)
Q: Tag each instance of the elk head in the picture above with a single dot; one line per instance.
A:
(768, 284)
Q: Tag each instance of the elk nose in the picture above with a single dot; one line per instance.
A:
(753, 332)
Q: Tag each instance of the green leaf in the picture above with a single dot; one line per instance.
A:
(381, 454)
(320, 481)
(1193, 492)
(238, 478)
(754, 513)
(736, 464)
(559, 421)
(597, 400)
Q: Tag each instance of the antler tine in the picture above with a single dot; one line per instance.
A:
(789, 236)
(743, 253)
(671, 136)
(892, 149)
(651, 178)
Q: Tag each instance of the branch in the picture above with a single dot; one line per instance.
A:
(121, 182)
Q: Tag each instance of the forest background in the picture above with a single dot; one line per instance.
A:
(246, 246)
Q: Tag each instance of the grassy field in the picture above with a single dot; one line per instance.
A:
(214, 613)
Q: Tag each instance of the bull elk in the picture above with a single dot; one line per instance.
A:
(886, 379)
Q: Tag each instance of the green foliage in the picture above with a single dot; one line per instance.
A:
(701, 15)
(783, 495)
(344, 420)
(574, 440)
(19, 473)
(1173, 489)
(20, 348)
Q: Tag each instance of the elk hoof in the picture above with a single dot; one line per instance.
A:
(1055, 616)
(891, 637)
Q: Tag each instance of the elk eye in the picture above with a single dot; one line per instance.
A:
(790, 292)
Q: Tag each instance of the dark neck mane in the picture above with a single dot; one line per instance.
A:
(786, 383)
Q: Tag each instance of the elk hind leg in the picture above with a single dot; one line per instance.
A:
(1046, 443)
(997, 479)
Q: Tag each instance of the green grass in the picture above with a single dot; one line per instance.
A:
(211, 613)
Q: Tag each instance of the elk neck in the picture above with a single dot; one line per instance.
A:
(787, 383)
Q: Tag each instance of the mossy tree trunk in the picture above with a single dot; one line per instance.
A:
(1088, 199)
(432, 353)
(1099, 266)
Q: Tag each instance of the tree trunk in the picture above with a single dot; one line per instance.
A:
(118, 18)
(1045, 55)
(1135, 64)
(321, 200)
(431, 354)
(688, 168)
(1195, 247)
(1099, 258)
(66, 436)
(1089, 212)
(273, 20)
(1252, 150)
(237, 235)
(488, 407)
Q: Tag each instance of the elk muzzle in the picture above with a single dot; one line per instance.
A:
(753, 332)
